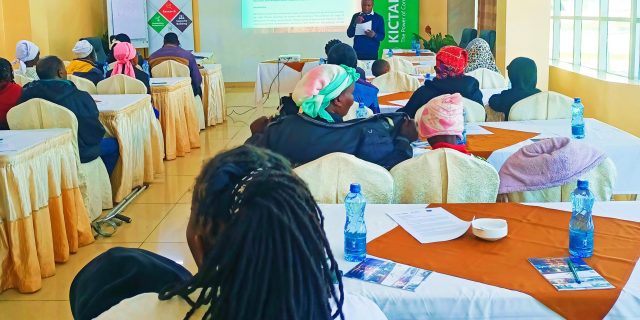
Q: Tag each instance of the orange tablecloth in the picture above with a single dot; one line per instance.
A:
(386, 99)
(485, 145)
(534, 232)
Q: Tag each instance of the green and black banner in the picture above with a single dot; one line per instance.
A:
(402, 20)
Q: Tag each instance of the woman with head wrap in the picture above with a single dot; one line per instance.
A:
(84, 65)
(441, 122)
(27, 56)
(523, 75)
(450, 78)
(325, 95)
(10, 92)
(126, 58)
(480, 56)
(114, 40)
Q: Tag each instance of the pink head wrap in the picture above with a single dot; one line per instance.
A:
(124, 52)
(442, 116)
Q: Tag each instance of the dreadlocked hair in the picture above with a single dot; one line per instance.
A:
(6, 71)
(272, 259)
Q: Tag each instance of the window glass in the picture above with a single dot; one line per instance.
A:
(566, 40)
(590, 8)
(620, 8)
(567, 7)
(589, 50)
(618, 43)
(551, 40)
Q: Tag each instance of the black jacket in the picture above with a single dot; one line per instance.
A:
(95, 75)
(65, 93)
(466, 86)
(302, 139)
(523, 75)
(140, 75)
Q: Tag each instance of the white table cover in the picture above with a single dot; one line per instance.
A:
(213, 94)
(486, 95)
(447, 297)
(283, 78)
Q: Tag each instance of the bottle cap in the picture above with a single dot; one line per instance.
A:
(583, 184)
(355, 188)
(577, 100)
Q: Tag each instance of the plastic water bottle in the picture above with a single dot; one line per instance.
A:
(463, 140)
(145, 67)
(105, 69)
(577, 119)
(415, 44)
(428, 77)
(322, 61)
(581, 224)
(361, 112)
(390, 53)
(355, 230)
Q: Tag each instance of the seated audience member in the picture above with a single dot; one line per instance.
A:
(126, 59)
(442, 122)
(480, 56)
(84, 65)
(27, 56)
(257, 238)
(450, 78)
(380, 67)
(325, 95)
(365, 92)
(9, 92)
(53, 86)
(523, 75)
(172, 51)
(113, 40)
(330, 45)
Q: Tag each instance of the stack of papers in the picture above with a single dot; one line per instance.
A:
(362, 27)
(431, 224)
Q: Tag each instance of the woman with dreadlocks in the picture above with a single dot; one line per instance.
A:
(10, 92)
(257, 237)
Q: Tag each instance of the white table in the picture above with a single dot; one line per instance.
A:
(486, 95)
(213, 94)
(277, 78)
(623, 148)
(447, 297)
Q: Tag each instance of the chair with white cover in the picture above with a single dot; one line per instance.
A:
(121, 84)
(95, 185)
(542, 106)
(396, 81)
(400, 64)
(474, 112)
(174, 69)
(83, 84)
(66, 63)
(445, 176)
(21, 80)
(329, 179)
(352, 112)
(488, 79)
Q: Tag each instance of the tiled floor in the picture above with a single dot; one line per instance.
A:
(159, 216)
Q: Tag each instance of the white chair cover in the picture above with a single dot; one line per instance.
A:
(474, 111)
(66, 63)
(121, 84)
(488, 79)
(83, 84)
(21, 80)
(329, 179)
(200, 112)
(352, 112)
(542, 106)
(95, 185)
(445, 176)
(170, 69)
(400, 64)
(601, 182)
(396, 81)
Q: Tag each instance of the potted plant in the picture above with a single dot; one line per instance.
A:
(436, 41)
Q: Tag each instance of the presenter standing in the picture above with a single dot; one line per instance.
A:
(367, 29)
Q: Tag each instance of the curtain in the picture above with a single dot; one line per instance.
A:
(487, 11)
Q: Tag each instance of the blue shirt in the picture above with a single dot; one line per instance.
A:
(367, 48)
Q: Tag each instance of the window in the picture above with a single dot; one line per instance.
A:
(603, 35)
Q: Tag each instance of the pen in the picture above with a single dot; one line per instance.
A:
(572, 267)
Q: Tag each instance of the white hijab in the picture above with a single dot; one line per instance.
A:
(25, 51)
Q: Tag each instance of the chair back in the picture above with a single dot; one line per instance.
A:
(474, 112)
(489, 79)
(21, 80)
(490, 37)
(400, 64)
(445, 176)
(352, 112)
(396, 81)
(42, 114)
(468, 34)
(329, 179)
(121, 84)
(83, 84)
(542, 106)
(601, 183)
(170, 69)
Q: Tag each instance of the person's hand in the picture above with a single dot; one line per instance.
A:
(360, 19)
(259, 125)
(370, 33)
(409, 130)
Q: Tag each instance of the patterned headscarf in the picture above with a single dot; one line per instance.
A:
(451, 62)
(480, 56)
(442, 116)
(25, 52)
(124, 52)
(315, 91)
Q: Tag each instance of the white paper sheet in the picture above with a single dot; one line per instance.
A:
(431, 224)
(476, 130)
(362, 27)
(401, 102)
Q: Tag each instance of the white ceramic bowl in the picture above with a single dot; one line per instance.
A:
(490, 229)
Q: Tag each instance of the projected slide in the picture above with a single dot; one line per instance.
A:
(261, 14)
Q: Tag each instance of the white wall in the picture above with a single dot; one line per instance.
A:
(239, 51)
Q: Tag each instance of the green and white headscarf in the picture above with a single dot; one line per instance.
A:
(315, 91)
